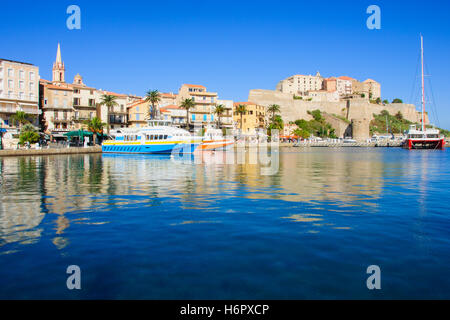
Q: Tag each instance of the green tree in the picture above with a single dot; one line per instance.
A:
(384, 113)
(277, 124)
(399, 115)
(397, 100)
(316, 114)
(219, 111)
(385, 101)
(273, 109)
(96, 126)
(304, 134)
(28, 133)
(154, 97)
(378, 100)
(187, 104)
(21, 118)
(241, 109)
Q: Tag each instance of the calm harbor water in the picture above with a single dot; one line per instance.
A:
(145, 226)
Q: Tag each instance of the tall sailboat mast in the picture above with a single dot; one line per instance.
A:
(423, 85)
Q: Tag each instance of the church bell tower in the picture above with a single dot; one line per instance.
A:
(58, 67)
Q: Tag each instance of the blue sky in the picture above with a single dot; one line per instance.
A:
(233, 46)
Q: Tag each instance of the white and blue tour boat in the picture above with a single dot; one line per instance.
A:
(157, 137)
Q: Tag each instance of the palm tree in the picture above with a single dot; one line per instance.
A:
(20, 117)
(108, 100)
(187, 104)
(220, 109)
(241, 109)
(154, 97)
(273, 108)
(95, 125)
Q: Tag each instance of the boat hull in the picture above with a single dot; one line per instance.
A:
(166, 148)
(209, 145)
(424, 144)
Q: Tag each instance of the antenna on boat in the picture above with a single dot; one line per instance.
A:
(423, 84)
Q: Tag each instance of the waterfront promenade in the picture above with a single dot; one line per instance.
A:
(49, 151)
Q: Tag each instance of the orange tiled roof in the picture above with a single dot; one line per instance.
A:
(170, 95)
(114, 94)
(136, 103)
(369, 80)
(345, 78)
(65, 87)
(194, 85)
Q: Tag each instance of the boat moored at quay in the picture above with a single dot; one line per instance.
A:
(157, 137)
(423, 138)
(214, 139)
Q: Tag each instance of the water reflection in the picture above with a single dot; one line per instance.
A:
(33, 188)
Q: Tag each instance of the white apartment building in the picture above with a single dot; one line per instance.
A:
(344, 85)
(300, 84)
(174, 113)
(19, 91)
(226, 119)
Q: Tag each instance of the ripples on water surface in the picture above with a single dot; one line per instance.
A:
(144, 226)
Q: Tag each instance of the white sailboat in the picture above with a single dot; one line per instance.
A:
(423, 138)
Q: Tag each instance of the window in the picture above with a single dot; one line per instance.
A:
(31, 96)
(76, 91)
(160, 137)
(65, 93)
(65, 102)
(76, 101)
(204, 117)
(10, 73)
(21, 74)
(45, 101)
(31, 75)
(21, 95)
(10, 84)
(55, 102)
(165, 137)
(137, 116)
(137, 109)
(193, 117)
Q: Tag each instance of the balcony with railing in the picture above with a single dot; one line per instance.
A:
(82, 117)
(14, 109)
(117, 119)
